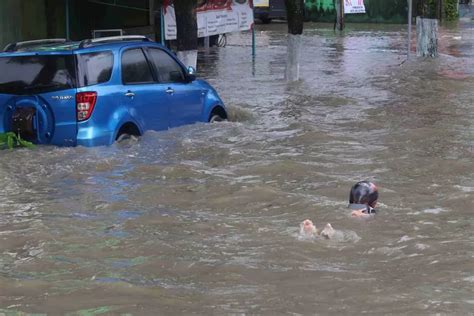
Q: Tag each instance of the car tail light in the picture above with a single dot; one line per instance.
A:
(85, 102)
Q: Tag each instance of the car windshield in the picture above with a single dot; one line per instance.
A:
(37, 74)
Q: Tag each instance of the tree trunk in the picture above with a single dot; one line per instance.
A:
(295, 18)
(339, 5)
(441, 11)
(186, 27)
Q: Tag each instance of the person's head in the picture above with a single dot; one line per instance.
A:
(364, 193)
(307, 228)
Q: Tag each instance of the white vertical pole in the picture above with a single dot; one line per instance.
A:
(410, 14)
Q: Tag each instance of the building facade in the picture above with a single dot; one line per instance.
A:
(75, 19)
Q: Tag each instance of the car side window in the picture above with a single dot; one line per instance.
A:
(94, 68)
(169, 71)
(135, 68)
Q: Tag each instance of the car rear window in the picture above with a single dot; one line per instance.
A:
(94, 68)
(37, 74)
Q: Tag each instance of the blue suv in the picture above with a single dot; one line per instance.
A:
(97, 91)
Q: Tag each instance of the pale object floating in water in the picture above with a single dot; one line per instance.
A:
(309, 231)
(328, 232)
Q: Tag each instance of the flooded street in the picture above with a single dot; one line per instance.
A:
(204, 219)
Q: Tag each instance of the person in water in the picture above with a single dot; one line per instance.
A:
(363, 199)
(309, 231)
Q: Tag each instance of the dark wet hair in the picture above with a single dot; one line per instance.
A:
(364, 192)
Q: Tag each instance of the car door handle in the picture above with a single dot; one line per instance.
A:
(130, 94)
(169, 91)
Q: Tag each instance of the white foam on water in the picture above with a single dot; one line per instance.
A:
(405, 238)
(437, 210)
(421, 246)
(305, 237)
(465, 188)
(388, 251)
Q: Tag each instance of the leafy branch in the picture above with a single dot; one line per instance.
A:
(11, 140)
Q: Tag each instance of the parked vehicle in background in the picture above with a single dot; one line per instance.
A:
(267, 10)
(96, 91)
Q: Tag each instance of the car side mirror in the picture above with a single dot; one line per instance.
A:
(191, 75)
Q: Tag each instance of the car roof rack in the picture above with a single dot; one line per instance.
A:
(90, 42)
(13, 47)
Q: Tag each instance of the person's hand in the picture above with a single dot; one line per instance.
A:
(359, 214)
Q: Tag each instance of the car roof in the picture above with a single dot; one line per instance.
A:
(76, 47)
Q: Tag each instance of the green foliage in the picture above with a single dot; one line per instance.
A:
(320, 10)
(385, 10)
(450, 8)
(429, 9)
(378, 11)
(11, 140)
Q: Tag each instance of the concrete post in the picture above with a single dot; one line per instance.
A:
(186, 25)
(292, 72)
(426, 37)
(295, 17)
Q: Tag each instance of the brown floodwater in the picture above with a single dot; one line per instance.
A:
(204, 219)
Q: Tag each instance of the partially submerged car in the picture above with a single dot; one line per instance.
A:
(96, 91)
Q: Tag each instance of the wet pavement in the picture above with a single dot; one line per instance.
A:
(204, 219)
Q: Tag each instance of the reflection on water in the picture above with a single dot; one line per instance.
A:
(204, 218)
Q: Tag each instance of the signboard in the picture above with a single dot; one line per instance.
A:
(261, 3)
(213, 17)
(354, 6)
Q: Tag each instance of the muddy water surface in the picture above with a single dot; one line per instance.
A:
(204, 219)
